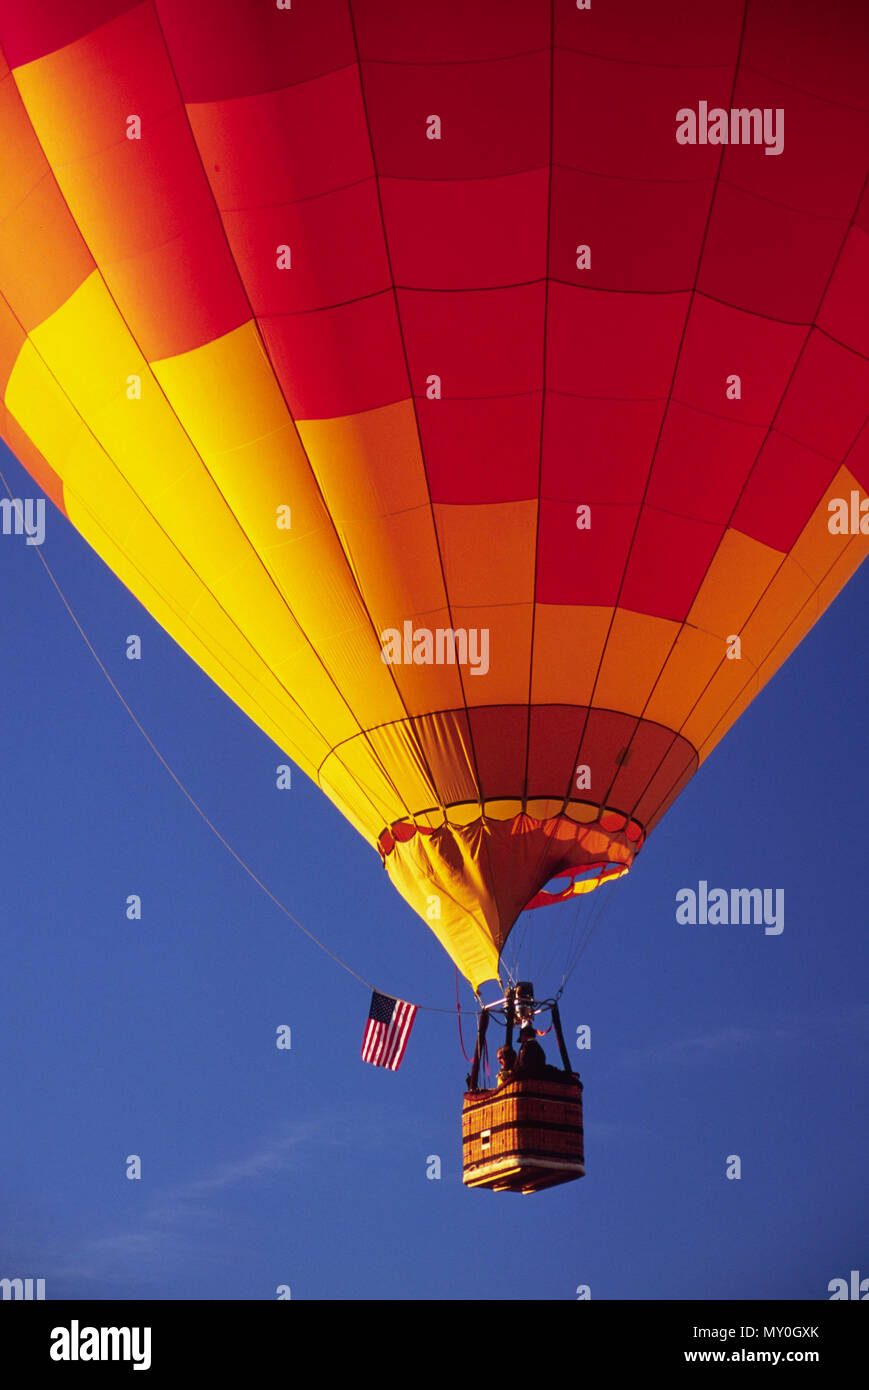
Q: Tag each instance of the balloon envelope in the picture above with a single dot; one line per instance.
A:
(448, 389)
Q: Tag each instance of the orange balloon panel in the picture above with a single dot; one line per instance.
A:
(477, 395)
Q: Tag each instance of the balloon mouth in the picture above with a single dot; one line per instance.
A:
(471, 876)
(582, 880)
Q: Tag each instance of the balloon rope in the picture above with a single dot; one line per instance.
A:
(459, 1016)
(192, 800)
(599, 912)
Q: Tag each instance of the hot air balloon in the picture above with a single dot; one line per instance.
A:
(477, 395)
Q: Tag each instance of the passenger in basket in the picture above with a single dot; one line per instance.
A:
(507, 1058)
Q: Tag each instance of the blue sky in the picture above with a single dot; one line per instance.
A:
(308, 1168)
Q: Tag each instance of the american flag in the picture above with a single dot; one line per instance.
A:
(387, 1031)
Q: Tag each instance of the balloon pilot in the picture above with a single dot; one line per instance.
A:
(532, 1058)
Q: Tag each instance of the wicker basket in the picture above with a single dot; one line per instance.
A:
(523, 1136)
